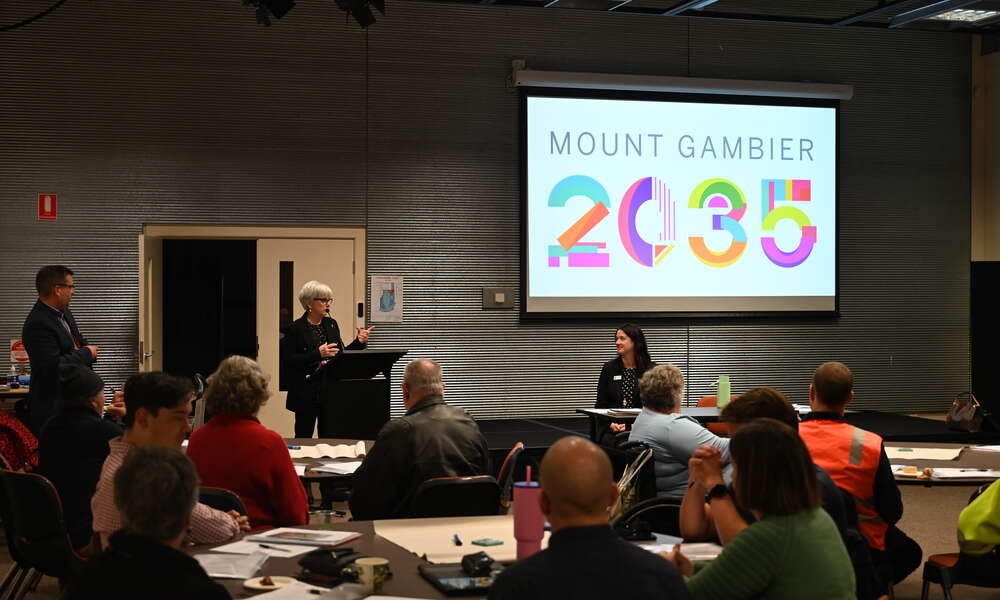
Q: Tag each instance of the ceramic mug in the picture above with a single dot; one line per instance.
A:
(371, 573)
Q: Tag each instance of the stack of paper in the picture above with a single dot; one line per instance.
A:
(306, 537)
(922, 453)
(326, 450)
(231, 566)
(696, 552)
(248, 547)
(987, 448)
(339, 468)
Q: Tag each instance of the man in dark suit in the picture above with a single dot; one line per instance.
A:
(53, 341)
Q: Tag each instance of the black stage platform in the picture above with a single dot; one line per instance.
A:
(539, 434)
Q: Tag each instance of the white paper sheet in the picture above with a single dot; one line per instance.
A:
(247, 547)
(339, 468)
(306, 537)
(295, 591)
(951, 473)
(300, 470)
(987, 448)
(231, 566)
(328, 451)
(699, 551)
(909, 453)
(435, 537)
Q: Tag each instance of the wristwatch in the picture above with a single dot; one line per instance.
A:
(717, 491)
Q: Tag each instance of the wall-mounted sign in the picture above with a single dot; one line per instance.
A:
(386, 303)
(48, 207)
(17, 352)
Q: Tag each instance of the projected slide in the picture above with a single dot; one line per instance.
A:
(667, 206)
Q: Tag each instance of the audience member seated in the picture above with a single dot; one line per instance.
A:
(155, 490)
(234, 451)
(793, 549)
(157, 406)
(672, 436)
(585, 558)
(857, 462)
(431, 440)
(723, 519)
(979, 535)
(73, 447)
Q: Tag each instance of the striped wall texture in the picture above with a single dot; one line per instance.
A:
(188, 112)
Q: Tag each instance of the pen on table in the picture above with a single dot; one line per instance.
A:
(295, 447)
(273, 547)
(457, 540)
(973, 470)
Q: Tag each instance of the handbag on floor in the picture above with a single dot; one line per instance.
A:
(965, 414)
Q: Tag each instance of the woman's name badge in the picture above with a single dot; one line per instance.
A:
(617, 378)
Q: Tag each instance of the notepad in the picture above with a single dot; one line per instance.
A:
(248, 547)
(328, 451)
(231, 566)
(910, 453)
(339, 468)
(307, 537)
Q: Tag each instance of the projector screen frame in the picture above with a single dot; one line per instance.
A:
(526, 91)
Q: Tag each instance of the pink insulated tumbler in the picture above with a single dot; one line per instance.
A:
(529, 522)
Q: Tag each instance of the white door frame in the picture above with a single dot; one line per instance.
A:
(151, 269)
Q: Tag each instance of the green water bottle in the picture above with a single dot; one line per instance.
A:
(722, 391)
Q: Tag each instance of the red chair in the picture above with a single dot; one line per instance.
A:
(716, 428)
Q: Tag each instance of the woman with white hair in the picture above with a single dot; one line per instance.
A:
(311, 340)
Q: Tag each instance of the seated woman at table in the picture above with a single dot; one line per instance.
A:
(618, 385)
(234, 451)
(794, 549)
(672, 436)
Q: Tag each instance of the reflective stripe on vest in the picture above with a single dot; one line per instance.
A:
(851, 457)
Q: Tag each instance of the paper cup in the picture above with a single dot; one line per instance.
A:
(372, 573)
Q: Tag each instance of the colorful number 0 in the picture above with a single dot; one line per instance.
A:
(577, 253)
(720, 193)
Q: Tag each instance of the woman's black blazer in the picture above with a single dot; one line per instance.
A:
(300, 358)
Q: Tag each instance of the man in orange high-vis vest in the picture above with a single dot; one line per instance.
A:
(856, 461)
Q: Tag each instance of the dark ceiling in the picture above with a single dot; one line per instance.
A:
(914, 14)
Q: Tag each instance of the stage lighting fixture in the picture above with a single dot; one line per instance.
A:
(361, 10)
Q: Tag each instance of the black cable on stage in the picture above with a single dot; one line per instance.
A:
(34, 18)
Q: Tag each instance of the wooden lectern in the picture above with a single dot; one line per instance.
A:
(353, 404)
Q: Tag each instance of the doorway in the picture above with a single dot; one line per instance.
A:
(219, 264)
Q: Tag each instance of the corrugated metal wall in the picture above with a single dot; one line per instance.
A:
(187, 112)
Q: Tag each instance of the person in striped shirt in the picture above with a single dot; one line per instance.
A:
(157, 406)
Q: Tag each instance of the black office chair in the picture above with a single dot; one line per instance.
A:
(505, 478)
(36, 533)
(221, 499)
(478, 495)
(662, 515)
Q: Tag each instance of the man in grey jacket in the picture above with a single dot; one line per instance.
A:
(431, 440)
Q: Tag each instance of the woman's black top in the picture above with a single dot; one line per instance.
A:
(618, 387)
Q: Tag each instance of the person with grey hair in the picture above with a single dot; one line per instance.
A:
(309, 342)
(155, 490)
(431, 440)
(672, 436)
(265, 479)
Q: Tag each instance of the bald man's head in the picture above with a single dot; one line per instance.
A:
(833, 384)
(421, 379)
(577, 483)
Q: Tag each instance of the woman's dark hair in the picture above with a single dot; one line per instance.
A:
(774, 473)
(642, 359)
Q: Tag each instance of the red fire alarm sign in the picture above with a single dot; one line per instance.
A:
(47, 207)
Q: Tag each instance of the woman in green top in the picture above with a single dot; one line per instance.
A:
(794, 550)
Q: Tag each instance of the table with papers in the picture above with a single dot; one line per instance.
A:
(313, 462)
(951, 464)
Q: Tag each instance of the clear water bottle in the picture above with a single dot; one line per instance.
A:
(12, 378)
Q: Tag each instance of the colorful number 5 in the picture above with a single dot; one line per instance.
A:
(783, 190)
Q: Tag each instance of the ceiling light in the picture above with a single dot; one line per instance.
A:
(966, 15)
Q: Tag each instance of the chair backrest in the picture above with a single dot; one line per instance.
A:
(662, 515)
(33, 521)
(221, 499)
(505, 478)
(708, 401)
(716, 428)
(477, 495)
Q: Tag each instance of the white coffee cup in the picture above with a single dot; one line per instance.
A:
(372, 572)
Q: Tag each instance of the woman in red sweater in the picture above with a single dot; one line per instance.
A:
(234, 451)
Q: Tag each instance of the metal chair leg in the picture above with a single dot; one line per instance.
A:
(29, 585)
(925, 590)
(9, 578)
(18, 582)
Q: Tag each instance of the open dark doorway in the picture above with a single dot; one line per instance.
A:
(209, 303)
